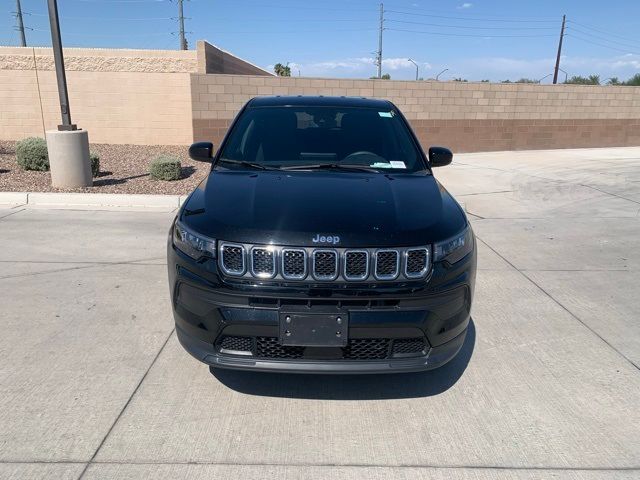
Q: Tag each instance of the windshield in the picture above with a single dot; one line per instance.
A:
(316, 137)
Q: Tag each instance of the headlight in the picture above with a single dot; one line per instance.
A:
(191, 243)
(454, 249)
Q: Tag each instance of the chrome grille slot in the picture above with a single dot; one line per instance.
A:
(232, 259)
(356, 264)
(387, 265)
(263, 262)
(417, 262)
(248, 262)
(294, 264)
(325, 264)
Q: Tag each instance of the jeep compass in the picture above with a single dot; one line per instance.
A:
(321, 242)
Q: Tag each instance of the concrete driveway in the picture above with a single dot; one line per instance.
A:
(95, 385)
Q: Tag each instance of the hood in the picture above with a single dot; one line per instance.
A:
(293, 208)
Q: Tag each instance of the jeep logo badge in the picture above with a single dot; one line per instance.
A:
(332, 239)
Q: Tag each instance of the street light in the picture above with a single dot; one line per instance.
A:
(438, 75)
(544, 77)
(415, 65)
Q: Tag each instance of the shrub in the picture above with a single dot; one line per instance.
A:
(165, 167)
(31, 154)
(95, 164)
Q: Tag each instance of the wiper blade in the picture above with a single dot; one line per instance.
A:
(332, 166)
(244, 163)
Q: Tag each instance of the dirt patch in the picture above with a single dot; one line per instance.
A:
(123, 169)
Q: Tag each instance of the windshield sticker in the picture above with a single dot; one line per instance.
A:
(397, 164)
(386, 114)
(391, 164)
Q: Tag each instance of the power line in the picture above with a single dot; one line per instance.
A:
(602, 31)
(469, 14)
(600, 44)
(468, 35)
(277, 32)
(106, 35)
(469, 18)
(102, 17)
(121, 1)
(588, 34)
(468, 26)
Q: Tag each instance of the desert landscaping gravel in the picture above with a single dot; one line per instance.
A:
(123, 169)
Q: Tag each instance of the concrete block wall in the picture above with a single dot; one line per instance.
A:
(164, 97)
(464, 116)
(119, 95)
(129, 96)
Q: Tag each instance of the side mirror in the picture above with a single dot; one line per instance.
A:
(201, 151)
(440, 156)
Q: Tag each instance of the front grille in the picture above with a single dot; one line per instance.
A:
(356, 265)
(417, 262)
(367, 349)
(325, 264)
(356, 349)
(236, 344)
(294, 264)
(263, 262)
(268, 347)
(232, 259)
(403, 346)
(387, 264)
(270, 262)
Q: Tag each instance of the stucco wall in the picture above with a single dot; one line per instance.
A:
(212, 59)
(464, 116)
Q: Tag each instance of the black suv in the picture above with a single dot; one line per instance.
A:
(321, 242)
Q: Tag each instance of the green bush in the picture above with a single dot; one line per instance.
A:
(95, 164)
(31, 154)
(165, 167)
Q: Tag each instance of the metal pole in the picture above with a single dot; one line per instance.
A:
(416, 67)
(183, 40)
(56, 42)
(379, 59)
(555, 72)
(23, 40)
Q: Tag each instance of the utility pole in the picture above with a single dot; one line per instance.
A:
(555, 72)
(183, 40)
(379, 53)
(23, 40)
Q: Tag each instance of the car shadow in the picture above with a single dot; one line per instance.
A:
(352, 387)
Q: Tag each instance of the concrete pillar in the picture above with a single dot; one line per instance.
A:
(69, 158)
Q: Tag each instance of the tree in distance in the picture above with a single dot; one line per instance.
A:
(282, 70)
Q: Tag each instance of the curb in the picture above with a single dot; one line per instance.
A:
(92, 200)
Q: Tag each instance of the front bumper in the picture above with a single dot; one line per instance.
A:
(207, 308)
(436, 357)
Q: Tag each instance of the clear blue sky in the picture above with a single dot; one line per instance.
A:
(474, 39)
